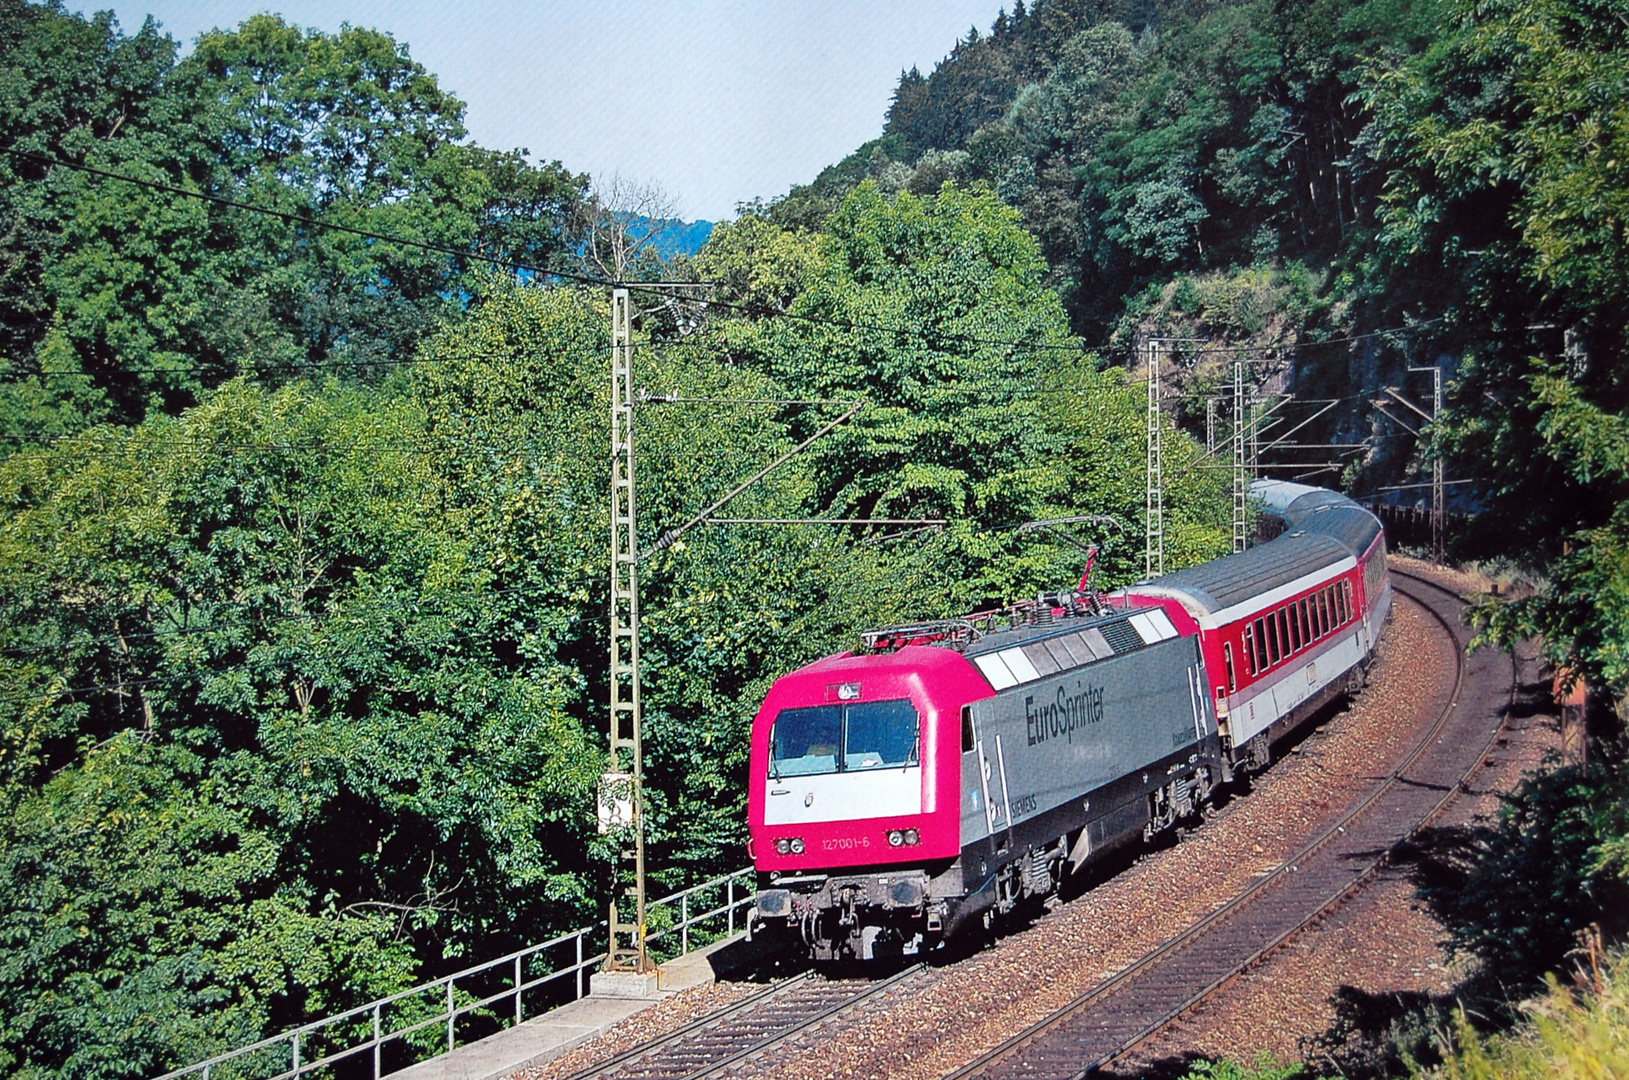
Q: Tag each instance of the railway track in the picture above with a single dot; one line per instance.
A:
(1112, 1018)
(725, 1040)
(758, 1033)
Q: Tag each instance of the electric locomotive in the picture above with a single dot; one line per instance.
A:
(942, 773)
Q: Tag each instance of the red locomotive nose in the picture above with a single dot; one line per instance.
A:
(856, 761)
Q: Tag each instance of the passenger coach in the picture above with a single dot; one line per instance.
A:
(1287, 625)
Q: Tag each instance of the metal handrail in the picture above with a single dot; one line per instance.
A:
(453, 1008)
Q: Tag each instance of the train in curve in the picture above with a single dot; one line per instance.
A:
(941, 774)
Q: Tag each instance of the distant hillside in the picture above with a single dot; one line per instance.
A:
(1144, 139)
(673, 237)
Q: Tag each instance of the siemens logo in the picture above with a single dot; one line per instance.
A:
(1066, 715)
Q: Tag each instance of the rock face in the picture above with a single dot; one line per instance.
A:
(1332, 401)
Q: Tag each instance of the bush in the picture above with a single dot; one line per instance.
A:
(1530, 886)
(1265, 1067)
(1569, 1032)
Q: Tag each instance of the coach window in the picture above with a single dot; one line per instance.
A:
(1297, 638)
(1261, 647)
(1335, 598)
(1283, 621)
(1308, 632)
(1227, 657)
(1272, 641)
(1322, 607)
(1348, 608)
(1250, 650)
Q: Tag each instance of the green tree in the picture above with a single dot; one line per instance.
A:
(66, 84)
(1507, 185)
(264, 604)
(142, 298)
(982, 408)
(148, 923)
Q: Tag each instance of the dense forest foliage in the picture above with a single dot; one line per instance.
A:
(303, 559)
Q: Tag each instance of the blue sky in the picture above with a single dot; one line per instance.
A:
(718, 102)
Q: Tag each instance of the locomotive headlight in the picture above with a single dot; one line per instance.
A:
(797, 845)
(895, 838)
(912, 837)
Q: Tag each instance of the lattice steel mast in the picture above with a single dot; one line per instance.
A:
(621, 809)
(1241, 468)
(1438, 507)
(1154, 558)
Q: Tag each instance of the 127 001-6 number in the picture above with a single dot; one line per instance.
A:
(845, 843)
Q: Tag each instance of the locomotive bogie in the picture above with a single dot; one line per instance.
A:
(856, 916)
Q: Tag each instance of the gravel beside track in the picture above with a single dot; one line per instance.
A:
(957, 1012)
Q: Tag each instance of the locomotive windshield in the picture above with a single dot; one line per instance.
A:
(844, 738)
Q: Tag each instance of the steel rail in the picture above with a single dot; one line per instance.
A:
(734, 1048)
(701, 1023)
(1055, 1022)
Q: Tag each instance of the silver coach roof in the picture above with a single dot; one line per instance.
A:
(1323, 527)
